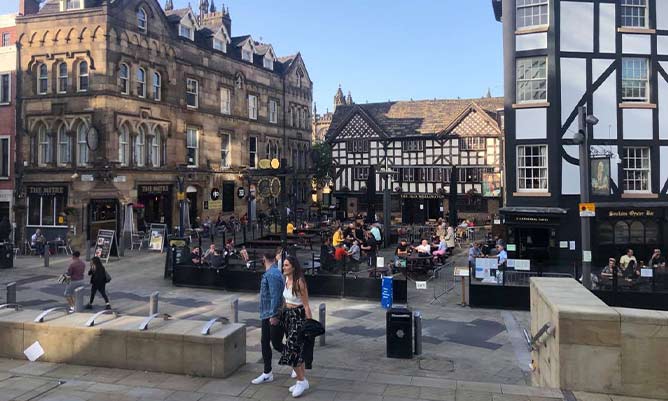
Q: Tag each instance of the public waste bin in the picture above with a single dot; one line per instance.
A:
(399, 333)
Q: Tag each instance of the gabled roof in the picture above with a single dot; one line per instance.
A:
(240, 41)
(177, 15)
(410, 118)
(53, 6)
(263, 48)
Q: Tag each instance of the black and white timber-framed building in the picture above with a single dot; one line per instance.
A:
(612, 57)
(419, 141)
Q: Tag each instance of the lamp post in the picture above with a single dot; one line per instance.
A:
(581, 138)
(180, 181)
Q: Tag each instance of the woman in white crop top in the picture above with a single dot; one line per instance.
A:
(295, 313)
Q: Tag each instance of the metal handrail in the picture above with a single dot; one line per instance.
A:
(16, 307)
(206, 330)
(41, 316)
(533, 343)
(91, 321)
(144, 324)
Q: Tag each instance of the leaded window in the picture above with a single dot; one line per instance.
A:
(531, 79)
(360, 173)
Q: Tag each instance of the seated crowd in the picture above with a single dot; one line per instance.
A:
(630, 268)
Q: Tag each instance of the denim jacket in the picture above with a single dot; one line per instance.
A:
(271, 292)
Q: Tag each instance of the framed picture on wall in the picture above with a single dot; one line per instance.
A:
(600, 176)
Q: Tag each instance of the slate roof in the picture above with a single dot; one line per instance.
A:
(405, 118)
(53, 6)
(176, 15)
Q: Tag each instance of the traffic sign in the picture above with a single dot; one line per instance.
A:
(587, 209)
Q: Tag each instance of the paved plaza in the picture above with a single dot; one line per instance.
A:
(468, 354)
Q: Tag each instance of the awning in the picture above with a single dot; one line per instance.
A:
(534, 210)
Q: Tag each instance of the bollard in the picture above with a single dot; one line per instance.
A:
(87, 250)
(121, 245)
(153, 303)
(47, 251)
(417, 323)
(323, 318)
(79, 299)
(235, 310)
(11, 293)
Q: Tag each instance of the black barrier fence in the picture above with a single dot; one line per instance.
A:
(329, 285)
(641, 287)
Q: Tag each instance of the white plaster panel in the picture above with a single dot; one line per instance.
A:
(573, 84)
(662, 14)
(569, 131)
(577, 26)
(663, 107)
(662, 44)
(531, 41)
(607, 28)
(531, 123)
(663, 162)
(570, 178)
(598, 67)
(572, 151)
(605, 108)
(636, 44)
(637, 124)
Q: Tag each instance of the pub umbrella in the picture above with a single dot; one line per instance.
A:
(371, 196)
(452, 197)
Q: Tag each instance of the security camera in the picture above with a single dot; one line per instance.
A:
(591, 120)
(75, 176)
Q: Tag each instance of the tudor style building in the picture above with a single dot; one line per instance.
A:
(420, 141)
(121, 97)
(612, 57)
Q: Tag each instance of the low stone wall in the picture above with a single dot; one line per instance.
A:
(172, 346)
(595, 347)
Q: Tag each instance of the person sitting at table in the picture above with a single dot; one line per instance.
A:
(657, 261)
(424, 249)
(355, 254)
(626, 259)
(610, 269)
(327, 255)
(290, 228)
(195, 256)
(337, 238)
(402, 251)
(474, 253)
(441, 250)
(359, 232)
(375, 231)
(209, 252)
(37, 241)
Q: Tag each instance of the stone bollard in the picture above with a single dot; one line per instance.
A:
(121, 245)
(323, 322)
(46, 256)
(153, 303)
(79, 304)
(235, 310)
(11, 293)
(417, 324)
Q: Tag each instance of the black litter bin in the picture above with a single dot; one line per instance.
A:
(399, 333)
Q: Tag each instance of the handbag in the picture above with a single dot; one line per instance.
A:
(107, 277)
(63, 279)
(313, 328)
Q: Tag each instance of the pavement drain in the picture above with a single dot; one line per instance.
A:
(436, 365)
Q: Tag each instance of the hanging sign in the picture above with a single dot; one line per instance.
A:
(104, 243)
(241, 192)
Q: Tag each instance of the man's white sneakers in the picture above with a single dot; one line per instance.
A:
(263, 378)
(300, 387)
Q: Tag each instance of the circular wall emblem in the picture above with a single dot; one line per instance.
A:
(275, 164)
(241, 192)
(264, 188)
(275, 187)
(215, 194)
(92, 139)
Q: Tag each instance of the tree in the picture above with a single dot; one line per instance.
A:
(321, 155)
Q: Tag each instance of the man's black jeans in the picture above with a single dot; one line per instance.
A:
(271, 335)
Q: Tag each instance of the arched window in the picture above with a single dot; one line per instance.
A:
(83, 77)
(141, 82)
(637, 233)
(141, 20)
(44, 150)
(605, 234)
(62, 77)
(82, 145)
(124, 145)
(42, 79)
(64, 146)
(157, 86)
(139, 142)
(621, 233)
(124, 75)
(651, 232)
(154, 149)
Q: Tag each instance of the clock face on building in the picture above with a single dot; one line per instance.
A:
(264, 188)
(275, 187)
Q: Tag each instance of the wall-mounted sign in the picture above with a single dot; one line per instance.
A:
(631, 213)
(241, 192)
(215, 194)
(46, 190)
(120, 178)
(154, 189)
(587, 210)
(87, 178)
(600, 176)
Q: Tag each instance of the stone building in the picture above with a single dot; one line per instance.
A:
(7, 113)
(321, 122)
(121, 97)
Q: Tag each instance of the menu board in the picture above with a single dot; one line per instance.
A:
(104, 244)
(157, 241)
(485, 266)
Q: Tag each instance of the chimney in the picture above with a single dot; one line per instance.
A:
(28, 7)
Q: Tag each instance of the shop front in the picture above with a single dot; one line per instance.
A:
(45, 210)
(104, 214)
(618, 227)
(154, 205)
(419, 208)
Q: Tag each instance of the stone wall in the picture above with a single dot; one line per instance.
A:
(595, 347)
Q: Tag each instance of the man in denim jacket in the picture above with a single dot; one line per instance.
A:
(271, 300)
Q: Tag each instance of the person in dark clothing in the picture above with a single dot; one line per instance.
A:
(326, 255)
(370, 247)
(98, 280)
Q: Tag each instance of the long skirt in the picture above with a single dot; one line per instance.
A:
(293, 351)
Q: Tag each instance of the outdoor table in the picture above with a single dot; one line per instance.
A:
(424, 263)
(54, 244)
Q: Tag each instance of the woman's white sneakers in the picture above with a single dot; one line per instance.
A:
(263, 378)
(299, 388)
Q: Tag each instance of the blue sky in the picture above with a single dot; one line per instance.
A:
(377, 49)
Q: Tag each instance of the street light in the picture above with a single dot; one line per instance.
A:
(581, 138)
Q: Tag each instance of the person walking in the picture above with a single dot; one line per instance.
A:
(295, 313)
(98, 280)
(271, 299)
(75, 273)
(450, 240)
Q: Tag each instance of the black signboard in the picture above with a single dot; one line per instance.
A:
(215, 194)
(104, 244)
(47, 190)
(241, 192)
(154, 189)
